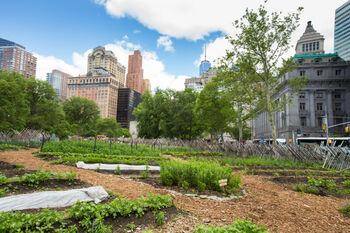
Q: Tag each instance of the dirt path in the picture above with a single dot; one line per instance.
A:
(267, 203)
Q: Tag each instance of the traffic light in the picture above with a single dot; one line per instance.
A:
(347, 129)
(323, 126)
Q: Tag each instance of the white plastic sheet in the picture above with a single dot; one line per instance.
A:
(112, 167)
(52, 199)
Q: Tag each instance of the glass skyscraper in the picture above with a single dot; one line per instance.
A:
(342, 31)
(204, 67)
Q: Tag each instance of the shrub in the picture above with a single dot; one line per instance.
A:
(195, 173)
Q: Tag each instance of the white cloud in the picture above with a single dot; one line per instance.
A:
(136, 31)
(195, 19)
(125, 37)
(153, 68)
(215, 50)
(165, 41)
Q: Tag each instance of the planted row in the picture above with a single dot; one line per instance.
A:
(90, 216)
(194, 154)
(6, 147)
(74, 160)
(239, 226)
(86, 147)
(37, 177)
(199, 175)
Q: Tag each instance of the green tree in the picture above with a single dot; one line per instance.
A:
(108, 127)
(82, 114)
(126, 133)
(265, 39)
(43, 103)
(13, 104)
(237, 81)
(213, 109)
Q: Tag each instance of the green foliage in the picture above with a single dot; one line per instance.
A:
(346, 209)
(13, 102)
(260, 161)
(347, 183)
(6, 147)
(262, 41)
(168, 114)
(81, 113)
(194, 154)
(44, 221)
(239, 226)
(86, 147)
(160, 219)
(89, 215)
(317, 186)
(22, 144)
(125, 133)
(108, 127)
(117, 170)
(195, 173)
(213, 110)
(145, 173)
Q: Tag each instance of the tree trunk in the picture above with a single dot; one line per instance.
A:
(271, 116)
(240, 123)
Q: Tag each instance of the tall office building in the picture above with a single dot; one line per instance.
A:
(14, 57)
(342, 31)
(134, 78)
(99, 86)
(128, 100)
(58, 80)
(100, 58)
(146, 85)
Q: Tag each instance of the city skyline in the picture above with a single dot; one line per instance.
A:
(171, 53)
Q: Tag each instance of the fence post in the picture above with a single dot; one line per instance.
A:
(94, 145)
(42, 143)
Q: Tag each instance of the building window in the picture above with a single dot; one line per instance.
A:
(338, 72)
(307, 47)
(302, 95)
(302, 73)
(337, 96)
(302, 106)
(319, 95)
(303, 121)
(303, 47)
(337, 106)
(319, 72)
(318, 45)
(319, 106)
(314, 46)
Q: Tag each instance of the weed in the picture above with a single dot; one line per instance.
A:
(160, 219)
(346, 209)
(117, 170)
(145, 173)
(276, 174)
(131, 226)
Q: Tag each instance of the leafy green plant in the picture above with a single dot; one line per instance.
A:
(160, 219)
(117, 170)
(239, 226)
(131, 226)
(346, 209)
(347, 183)
(19, 167)
(145, 173)
(197, 172)
(3, 179)
(71, 175)
(100, 227)
(316, 186)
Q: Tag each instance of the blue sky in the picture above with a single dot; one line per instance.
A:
(170, 34)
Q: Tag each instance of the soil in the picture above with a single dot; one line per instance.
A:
(267, 203)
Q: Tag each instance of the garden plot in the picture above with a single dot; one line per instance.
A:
(14, 179)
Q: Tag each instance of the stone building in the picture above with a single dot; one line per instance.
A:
(99, 86)
(197, 84)
(327, 91)
(100, 58)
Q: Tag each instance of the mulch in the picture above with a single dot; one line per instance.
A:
(267, 203)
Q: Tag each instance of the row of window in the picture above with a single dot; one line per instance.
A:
(320, 72)
(303, 121)
(319, 106)
(319, 95)
(313, 46)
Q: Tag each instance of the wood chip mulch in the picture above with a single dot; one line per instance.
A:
(267, 203)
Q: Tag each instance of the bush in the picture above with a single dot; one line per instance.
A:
(239, 226)
(197, 173)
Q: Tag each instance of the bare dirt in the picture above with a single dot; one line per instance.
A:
(267, 203)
